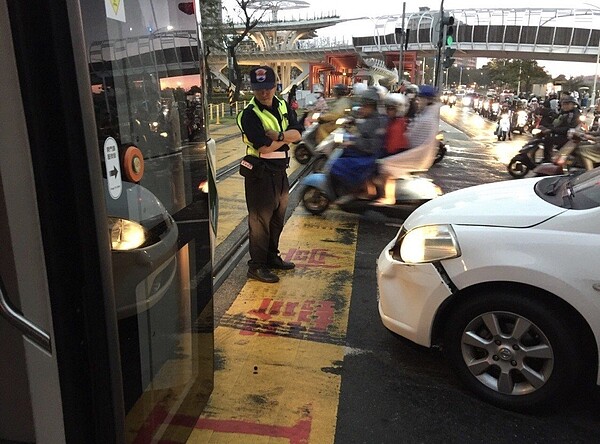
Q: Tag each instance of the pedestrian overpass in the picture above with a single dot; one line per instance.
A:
(290, 46)
(530, 33)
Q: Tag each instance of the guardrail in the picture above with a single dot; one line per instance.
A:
(217, 111)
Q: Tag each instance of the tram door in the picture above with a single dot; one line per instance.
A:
(107, 222)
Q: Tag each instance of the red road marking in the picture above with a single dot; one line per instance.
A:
(310, 258)
(297, 434)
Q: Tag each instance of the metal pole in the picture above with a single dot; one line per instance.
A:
(438, 63)
(401, 52)
(595, 78)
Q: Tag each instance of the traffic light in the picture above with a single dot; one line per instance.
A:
(448, 60)
(449, 24)
(447, 31)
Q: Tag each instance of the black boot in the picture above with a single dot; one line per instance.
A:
(263, 275)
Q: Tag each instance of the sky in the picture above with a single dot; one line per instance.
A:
(375, 8)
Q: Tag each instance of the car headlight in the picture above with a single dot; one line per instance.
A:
(428, 243)
(125, 234)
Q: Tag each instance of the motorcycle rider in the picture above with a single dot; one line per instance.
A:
(396, 106)
(421, 136)
(358, 161)
(411, 91)
(505, 114)
(556, 136)
(320, 103)
(427, 120)
(338, 108)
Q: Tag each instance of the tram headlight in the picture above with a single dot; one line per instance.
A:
(125, 234)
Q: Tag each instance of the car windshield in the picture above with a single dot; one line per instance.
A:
(577, 192)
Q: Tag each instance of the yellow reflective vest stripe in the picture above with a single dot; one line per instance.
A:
(268, 120)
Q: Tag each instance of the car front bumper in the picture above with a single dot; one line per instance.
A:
(409, 297)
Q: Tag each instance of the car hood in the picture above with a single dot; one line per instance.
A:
(500, 204)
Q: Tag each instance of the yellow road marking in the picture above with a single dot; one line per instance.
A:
(279, 348)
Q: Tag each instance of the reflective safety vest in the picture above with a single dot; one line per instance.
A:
(268, 120)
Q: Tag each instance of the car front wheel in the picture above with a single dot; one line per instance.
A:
(513, 351)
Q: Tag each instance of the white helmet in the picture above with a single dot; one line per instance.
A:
(318, 88)
(399, 101)
(381, 90)
(359, 88)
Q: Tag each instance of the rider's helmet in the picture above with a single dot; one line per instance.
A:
(568, 99)
(359, 88)
(340, 90)
(370, 97)
(318, 89)
(411, 90)
(427, 91)
(397, 101)
(382, 90)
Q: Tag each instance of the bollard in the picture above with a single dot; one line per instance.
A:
(210, 111)
(218, 122)
(237, 108)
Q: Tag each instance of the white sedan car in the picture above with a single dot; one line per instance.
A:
(506, 278)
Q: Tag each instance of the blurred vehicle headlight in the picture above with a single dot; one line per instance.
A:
(429, 243)
(125, 234)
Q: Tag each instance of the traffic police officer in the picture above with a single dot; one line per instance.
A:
(267, 127)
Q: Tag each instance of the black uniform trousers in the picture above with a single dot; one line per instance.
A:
(267, 201)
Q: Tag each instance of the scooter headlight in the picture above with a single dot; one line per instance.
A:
(429, 243)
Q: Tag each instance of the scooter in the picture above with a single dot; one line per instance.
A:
(442, 148)
(503, 128)
(528, 157)
(451, 100)
(305, 149)
(321, 189)
(566, 160)
(521, 121)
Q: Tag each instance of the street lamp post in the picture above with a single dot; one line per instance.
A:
(597, 62)
(595, 77)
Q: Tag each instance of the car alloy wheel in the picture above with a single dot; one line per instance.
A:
(512, 350)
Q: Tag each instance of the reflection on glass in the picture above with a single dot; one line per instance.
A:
(147, 89)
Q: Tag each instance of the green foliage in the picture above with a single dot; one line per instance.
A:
(574, 83)
(515, 74)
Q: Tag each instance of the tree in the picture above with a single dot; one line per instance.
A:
(515, 74)
(573, 83)
(220, 33)
(249, 21)
(530, 73)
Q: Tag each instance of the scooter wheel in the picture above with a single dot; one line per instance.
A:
(319, 163)
(516, 168)
(302, 154)
(441, 152)
(315, 200)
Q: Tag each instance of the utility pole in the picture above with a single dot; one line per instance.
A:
(401, 52)
(441, 39)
